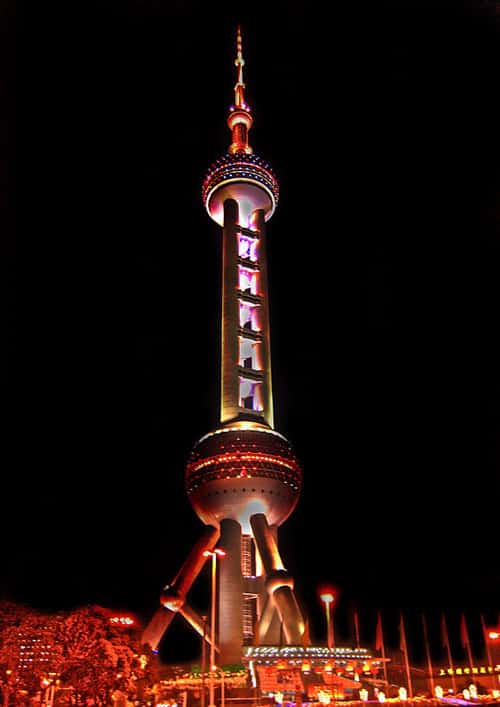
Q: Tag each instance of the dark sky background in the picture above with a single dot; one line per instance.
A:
(380, 121)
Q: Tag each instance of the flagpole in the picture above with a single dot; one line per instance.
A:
(428, 654)
(356, 627)
(379, 645)
(404, 648)
(485, 639)
(446, 642)
(464, 635)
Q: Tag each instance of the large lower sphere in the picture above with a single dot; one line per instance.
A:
(235, 472)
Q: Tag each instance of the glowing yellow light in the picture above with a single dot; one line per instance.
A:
(124, 620)
(494, 635)
(381, 696)
(403, 694)
(324, 697)
(218, 551)
(438, 691)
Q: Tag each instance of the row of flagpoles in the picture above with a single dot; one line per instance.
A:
(464, 637)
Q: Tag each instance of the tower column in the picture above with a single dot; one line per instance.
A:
(258, 221)
(230, 594)
(279, 583)
(229, 406)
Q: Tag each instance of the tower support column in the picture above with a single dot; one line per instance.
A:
(230, 315)
(259, 222)
(230, 594)
(279, 583)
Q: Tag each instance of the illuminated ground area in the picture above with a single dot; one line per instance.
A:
(315, 675)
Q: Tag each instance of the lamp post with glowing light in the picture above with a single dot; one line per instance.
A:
(327, 597)
(213, 554)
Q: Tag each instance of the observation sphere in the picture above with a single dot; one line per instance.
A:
(243, 469)
(247, 179)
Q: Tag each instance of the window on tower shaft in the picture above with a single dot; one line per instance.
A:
(251, 395)
(249, 353)
(249, 316)
(247, 280)
(247, 247)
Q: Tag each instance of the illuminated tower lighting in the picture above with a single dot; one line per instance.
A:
(242, 478)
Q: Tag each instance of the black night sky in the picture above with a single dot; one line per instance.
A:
(380, 121)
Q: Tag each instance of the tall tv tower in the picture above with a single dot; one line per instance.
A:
(242, 478)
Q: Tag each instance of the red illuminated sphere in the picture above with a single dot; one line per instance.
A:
(237, 471)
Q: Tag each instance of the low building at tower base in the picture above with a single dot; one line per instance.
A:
(312, 673)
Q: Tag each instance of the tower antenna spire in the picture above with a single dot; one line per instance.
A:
(240, 118)
(239, 98)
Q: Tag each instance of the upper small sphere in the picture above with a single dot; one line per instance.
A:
(243, 469)
(247, 179)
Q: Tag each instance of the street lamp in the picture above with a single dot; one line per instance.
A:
(203, 660)
(213, 554)
(327, 597)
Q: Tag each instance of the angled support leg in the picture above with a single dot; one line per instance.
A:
(173, 597)
(279, 583)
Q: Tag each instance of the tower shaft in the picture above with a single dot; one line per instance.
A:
(246, 388)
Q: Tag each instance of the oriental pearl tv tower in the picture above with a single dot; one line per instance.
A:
(242, 478)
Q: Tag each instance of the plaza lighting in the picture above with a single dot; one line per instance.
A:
(218, 552)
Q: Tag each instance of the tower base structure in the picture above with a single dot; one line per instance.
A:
(243, 478)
